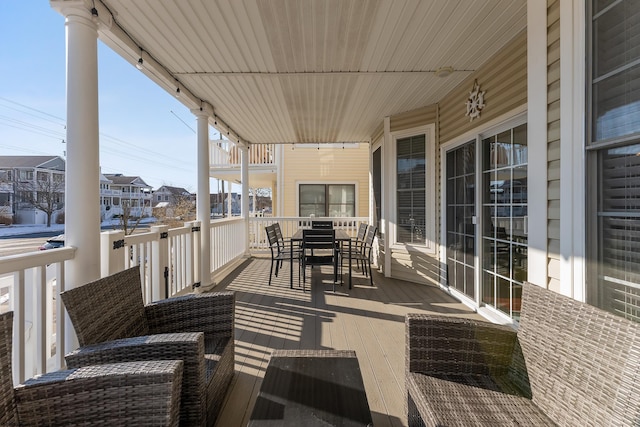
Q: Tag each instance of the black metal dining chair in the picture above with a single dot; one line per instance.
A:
(321, 225)
(279, 251)
(319, 247)
(363, 252)
(357, 244)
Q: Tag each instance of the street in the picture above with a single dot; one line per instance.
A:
(19, 244)
(12, 245)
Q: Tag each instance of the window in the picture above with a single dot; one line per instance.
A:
(26, 175)
(613, 148)
(411, 189)
(330, 200)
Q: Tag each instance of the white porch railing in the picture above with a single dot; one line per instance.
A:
(225, 154)
(227, 242)
(289, 225)
(30, 286)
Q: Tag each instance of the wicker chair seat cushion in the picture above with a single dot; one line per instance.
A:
(465, 400)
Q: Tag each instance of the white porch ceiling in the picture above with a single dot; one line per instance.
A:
(307, 71)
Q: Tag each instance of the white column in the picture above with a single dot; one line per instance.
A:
(244, 171)
(572, 149)
(537, 258)
(229, 200)
(387, 197)
(82, 196)
(202, 199)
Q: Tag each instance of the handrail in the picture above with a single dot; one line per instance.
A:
(13, 263)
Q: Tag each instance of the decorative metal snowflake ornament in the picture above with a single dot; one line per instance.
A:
(475, 102)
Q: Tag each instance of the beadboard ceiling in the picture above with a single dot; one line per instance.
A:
(308, 71)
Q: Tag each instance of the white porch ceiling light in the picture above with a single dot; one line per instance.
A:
(443, 71)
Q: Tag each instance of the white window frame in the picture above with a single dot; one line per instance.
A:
(430, 245)
(354, 183)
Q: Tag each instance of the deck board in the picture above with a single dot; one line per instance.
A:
(369, 320)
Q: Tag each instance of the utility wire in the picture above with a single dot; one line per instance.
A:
(185, 123)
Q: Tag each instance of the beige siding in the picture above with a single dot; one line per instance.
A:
(378, 134)
(326, 165)
(414, 118)
(504, 80)
(553, 142)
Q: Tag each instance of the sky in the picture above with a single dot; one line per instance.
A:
(144, 131)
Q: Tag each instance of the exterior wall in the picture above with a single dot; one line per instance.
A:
(326, 165)
(504, 78)
(414, 118)
(553, 144)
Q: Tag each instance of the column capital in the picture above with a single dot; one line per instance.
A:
(205, 111)
(67, 8)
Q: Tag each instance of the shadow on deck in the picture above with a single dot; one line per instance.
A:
(369, 320)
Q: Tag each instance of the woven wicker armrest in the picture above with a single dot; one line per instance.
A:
(188, 347)
(211, 313)
(439, 346)
(134, 393)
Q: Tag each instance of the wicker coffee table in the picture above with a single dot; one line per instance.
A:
(312, 388)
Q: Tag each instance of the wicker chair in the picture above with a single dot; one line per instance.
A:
(124, 394)
(569, 364)
(114, 325)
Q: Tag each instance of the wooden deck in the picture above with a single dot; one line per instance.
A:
(369, 320)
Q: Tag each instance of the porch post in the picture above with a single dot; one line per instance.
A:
(229, 200)
(537, 138)
(82, 195)
(202, 199)
(244, 171)
(387, 197)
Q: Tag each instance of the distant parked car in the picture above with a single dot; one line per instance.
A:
(53, 243)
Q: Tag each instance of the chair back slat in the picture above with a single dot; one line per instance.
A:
(362, 231)
(318, 225)
(319, 239)
(271, 235)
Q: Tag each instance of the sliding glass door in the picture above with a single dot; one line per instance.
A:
(499, 252)
(461, 212)
(504, 231)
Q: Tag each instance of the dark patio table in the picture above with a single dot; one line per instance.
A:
(341, 237)
(312, 388)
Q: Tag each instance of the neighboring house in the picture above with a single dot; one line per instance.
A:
(129, 190)
(30, 180)
(168, 201)
(171, 195)
(305, 179)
